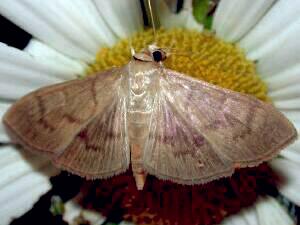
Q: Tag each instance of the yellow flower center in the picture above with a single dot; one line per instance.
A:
(200, 55)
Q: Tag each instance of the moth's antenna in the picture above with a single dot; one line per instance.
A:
(152, 20)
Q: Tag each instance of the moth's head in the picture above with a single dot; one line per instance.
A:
(151, 54)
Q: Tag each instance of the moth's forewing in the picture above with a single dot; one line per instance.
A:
(200, 132)
(75, 123)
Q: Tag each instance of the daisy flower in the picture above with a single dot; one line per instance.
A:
(253, 49)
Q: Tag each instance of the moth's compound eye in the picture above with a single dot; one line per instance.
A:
(158, 56)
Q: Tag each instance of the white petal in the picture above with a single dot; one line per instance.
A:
(20, 73)
(273, 30)
(71, 27)
(73, 210)
(93, 217)
(281, 79)
(123, 17)
(293, 115)
(235, 220)
(266, 211)
(247, 216)
(66, 67)
(283, 54)
(289, 92)
(185, 18)
(234, 18)
(15, 208)
(292, 154)
(221, 12)
(288, 104)
(17, 165)
(24, 179)
(269, 211)
(250, 216)
(290, 172)
(3, 136)
(91, 22)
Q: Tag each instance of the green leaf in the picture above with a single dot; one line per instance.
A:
(200, 11)
(57, 206)
(208, 22)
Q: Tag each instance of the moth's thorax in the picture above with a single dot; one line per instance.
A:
(143, 85)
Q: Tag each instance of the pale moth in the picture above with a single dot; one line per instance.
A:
(162, 122)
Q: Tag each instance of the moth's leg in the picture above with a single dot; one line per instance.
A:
(137, 166)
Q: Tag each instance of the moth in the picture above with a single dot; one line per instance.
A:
(162, 122)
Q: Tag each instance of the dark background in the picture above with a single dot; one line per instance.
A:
(13, 35)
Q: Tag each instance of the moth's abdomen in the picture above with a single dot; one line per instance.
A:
(138, 123)
(138, 128)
